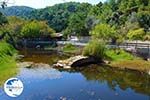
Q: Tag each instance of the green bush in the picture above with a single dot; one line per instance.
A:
(136, 34)
(95, 48)
(36, 29)
(103, 31)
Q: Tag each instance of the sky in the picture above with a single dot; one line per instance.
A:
(45, 3)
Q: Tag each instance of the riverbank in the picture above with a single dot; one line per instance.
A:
(8, 66)
(137, 65)
(118, 58)
(124, 60)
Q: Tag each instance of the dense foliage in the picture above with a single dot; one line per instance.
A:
(136, 34)
(58, 16)
(103, 31)
(21, 11)
(36, 29)
(118, 17)
(21, 28)
(3, 19)
(121, 19)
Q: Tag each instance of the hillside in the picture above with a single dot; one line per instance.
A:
(21, 11)
(58, 15)
(129, 19)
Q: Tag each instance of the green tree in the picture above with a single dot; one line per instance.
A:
(143, 17)
(103, 31)
(105, 14)
(36, 29)
(15, 26)
(3, 19)
(136, 34)
(95, 11)
(56, 16)
(3, 22)
(90, 22)
(76, 24)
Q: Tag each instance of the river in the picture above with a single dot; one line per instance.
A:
(92, 82)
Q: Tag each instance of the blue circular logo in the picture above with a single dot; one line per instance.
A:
(13, 87)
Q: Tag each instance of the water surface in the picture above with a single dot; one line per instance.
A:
(89, 83)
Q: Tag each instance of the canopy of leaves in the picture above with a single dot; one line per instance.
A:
(15, 25)
(3, 19)
(76, 24)
(20, 11)
(81, 18)
(57, 16)
(136, 34)
(103, 31)
(36, 29)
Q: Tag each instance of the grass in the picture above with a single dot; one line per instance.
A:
(69, 48)
(95, 48)
(124, 60)
(7, 70)
(7, 62)
(119, 55)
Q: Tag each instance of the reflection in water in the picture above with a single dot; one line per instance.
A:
(48, 58)
(86, 84)
(91, 82)
(124, 79)
(41, 73)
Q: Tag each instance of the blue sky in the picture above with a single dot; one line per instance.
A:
(44, 3)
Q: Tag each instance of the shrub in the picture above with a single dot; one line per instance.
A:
(136, 34)
(36, 29)
(95, 48)
(103, 31)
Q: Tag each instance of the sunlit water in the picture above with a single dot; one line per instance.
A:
(89, 83)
